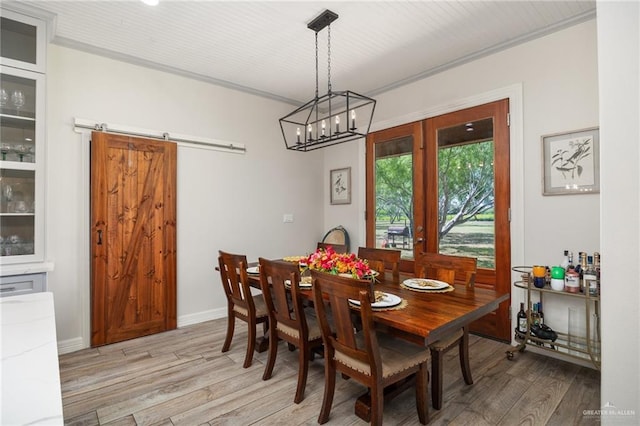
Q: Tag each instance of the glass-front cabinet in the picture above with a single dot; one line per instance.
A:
(22, 91)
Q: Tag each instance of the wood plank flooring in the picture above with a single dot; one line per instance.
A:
(180, 377)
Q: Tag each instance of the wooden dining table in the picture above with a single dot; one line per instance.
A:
(427, 316)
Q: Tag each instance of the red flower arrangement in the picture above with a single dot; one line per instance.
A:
(337, 263)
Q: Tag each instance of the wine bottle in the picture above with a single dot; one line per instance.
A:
(540, 314)
(522, 319)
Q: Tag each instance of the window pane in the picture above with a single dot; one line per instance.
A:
(466, 191)
(394, 194)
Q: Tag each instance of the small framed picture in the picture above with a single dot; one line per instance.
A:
(571, 162)
(340, 186)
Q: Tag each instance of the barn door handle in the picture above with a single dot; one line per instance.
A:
(99, 237)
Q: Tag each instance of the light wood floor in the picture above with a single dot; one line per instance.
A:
(181, 378)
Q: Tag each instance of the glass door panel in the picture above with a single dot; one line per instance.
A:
(466, 196)
(18, 41)
(17, 118)
(17, 206)
(394, 194)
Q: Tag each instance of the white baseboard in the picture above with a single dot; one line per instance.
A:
(71, 345)
(77, 343)
(203, 316)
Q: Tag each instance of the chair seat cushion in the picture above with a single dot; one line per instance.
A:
(312, 325)
(396, 354)
(447, 341)
(261, 307)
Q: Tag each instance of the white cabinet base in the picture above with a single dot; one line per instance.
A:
(23, 284)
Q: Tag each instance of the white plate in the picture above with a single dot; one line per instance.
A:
(253, 270)
(300, 284)
(425, 284)
(388, 300)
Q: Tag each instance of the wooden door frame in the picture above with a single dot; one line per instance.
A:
(516, 162)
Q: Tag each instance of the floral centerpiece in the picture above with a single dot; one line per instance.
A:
(327, 260)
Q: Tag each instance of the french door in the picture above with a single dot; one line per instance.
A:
(441, 185)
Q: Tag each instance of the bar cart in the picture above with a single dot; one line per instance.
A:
(585, 347)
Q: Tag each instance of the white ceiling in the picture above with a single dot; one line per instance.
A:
(265, 47)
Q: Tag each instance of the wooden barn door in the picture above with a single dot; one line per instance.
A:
(133, 219)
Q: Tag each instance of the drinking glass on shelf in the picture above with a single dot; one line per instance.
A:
(22, 150)
(4, 150)
(18, 100)
(4, 97)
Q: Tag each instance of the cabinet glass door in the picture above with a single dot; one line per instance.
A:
(21, 41)
(18, 119)
(17, 212)
(19, 165)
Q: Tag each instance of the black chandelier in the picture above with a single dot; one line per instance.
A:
(330, 119)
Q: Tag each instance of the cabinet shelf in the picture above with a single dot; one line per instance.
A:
(11, 214)
(13, 120)
(17, 165)
(546, 289)
(579, 347)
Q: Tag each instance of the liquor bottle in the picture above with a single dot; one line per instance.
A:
(571, 281)
(582, 262)
(540, 314)
(570, 265)
(590, 278)
(522, 319)
(565, 261)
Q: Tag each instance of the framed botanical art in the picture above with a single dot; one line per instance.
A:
(340, 186)
(571, 162)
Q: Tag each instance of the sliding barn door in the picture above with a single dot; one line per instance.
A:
(133, 242)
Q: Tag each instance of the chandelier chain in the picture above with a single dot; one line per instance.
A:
(329, 58)
(316, 65)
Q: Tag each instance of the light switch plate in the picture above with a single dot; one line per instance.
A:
(287, 218)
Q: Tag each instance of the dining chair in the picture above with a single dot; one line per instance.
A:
(338, 248)
(390, 258)
(449, 269)
(373, 358)
(280, 282)
(241, 304)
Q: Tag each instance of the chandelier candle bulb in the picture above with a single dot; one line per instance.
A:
(298, 134)
(337, 124)
(324, 125)
(310, 129)
(353, 119)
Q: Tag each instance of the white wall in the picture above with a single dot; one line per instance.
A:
(619, 67)
(225, 201)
